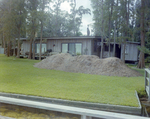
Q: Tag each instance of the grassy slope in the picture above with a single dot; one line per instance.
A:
(19, 76)
(134, 67)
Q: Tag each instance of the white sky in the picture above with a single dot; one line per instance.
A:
(86, 19)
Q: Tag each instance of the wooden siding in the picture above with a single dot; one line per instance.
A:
(131, 52)
(86, 44)
(92, 48)
(25, 47)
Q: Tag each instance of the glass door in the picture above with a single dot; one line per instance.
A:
(72, 48)
(64, 48)
(78, 48)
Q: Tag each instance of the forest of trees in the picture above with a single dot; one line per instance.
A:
(114, 20)
(123, 20)
(37, 18)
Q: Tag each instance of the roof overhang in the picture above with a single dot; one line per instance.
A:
(65, 38)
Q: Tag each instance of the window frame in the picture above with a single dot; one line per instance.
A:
(74, 45)
(39, 48)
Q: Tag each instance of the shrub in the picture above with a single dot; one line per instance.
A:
(142, 93)
(78, 53)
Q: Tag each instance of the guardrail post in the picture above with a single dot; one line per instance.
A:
(85, 117)
(145, 79)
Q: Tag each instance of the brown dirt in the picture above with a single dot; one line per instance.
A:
(87, 64)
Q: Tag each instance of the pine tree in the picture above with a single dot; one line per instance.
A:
(20, 15)
(42, 17)
(32, 24)
(7, 22)
(141, 63)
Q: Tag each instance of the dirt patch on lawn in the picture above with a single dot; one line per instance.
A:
(87, 64)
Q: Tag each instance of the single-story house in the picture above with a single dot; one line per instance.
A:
(82, 45)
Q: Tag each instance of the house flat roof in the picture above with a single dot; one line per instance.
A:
(61, 38)
(81, 37)
(131, 42)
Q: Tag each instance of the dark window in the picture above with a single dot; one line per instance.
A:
(106, 47)
(95, 45)
(111, 48)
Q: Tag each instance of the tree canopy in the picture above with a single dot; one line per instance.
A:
(124, 20)
(38, 18)
(114, 20)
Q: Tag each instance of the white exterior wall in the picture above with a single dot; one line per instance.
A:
(25, 47)
(131, 52)
(86, 44)
(1, 50)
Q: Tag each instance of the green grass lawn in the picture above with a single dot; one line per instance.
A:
(134, 67)
(19, 76)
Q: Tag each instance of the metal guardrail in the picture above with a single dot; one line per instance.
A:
(85, 113)
(86, 105)
(147, 82)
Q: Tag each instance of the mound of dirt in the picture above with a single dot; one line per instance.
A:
(87, 64)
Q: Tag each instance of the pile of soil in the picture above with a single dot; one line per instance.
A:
(87, 64)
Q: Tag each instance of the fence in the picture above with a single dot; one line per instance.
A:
(147, 82)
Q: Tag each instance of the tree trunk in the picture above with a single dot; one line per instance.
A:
(141, 63)
(117, 31)
(123, 55)
(110, 17)
(4, 43)
(101, 56)
(8, 48)
(114, 52)
(126, 17)
(41, 41)
(109, 37)
(14, 45)
(30, 53)
(74, 22)
(33, 48)
(56, 27)
(18, 50)
(4, 47)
